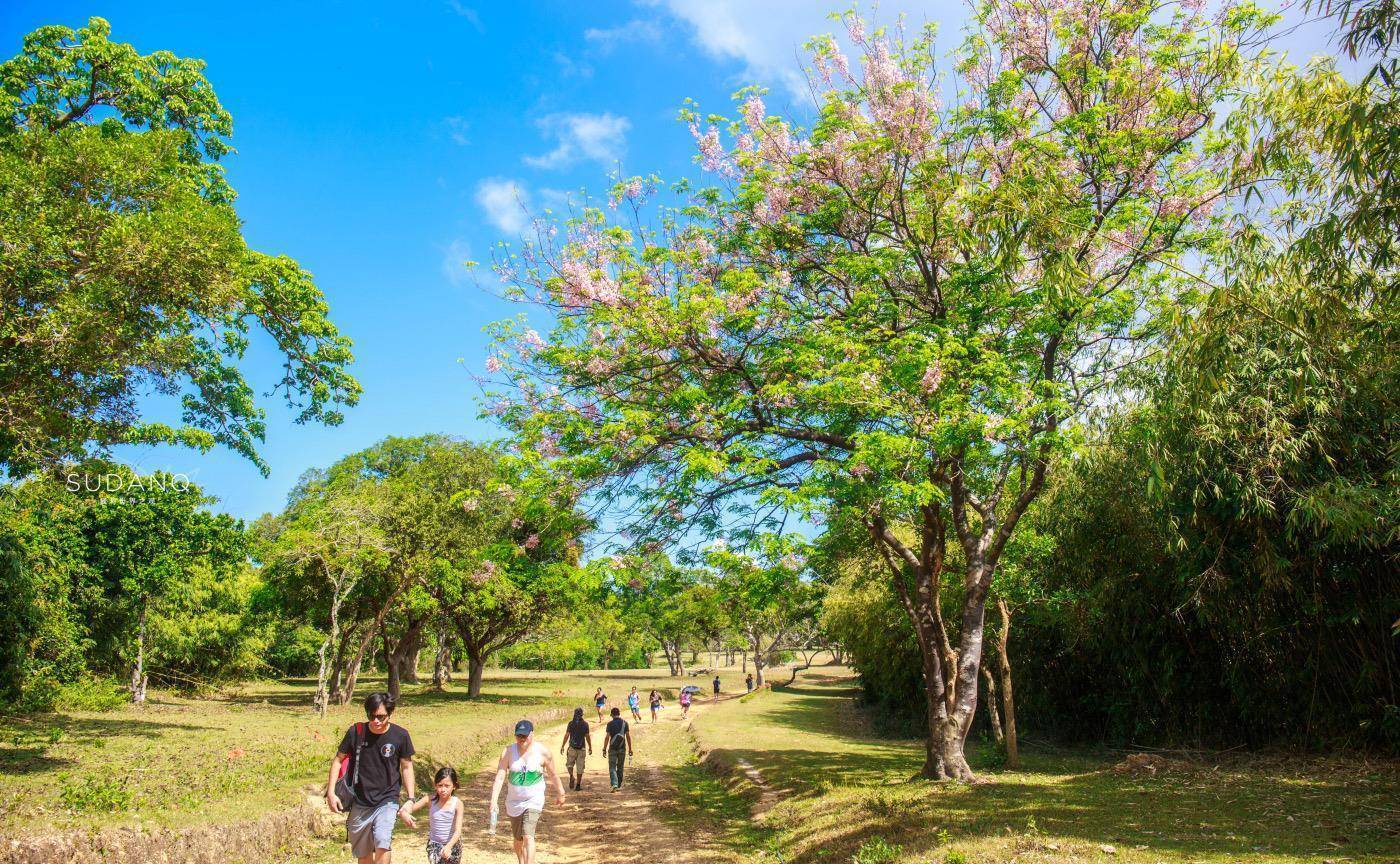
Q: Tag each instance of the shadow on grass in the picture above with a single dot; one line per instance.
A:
(1067, 795)
(29, 760)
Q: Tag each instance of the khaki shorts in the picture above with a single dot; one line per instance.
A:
(523, 826)
(576, 756)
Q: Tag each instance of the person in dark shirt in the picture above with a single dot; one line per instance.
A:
(617, 746)
(378, 766)
(577, 735)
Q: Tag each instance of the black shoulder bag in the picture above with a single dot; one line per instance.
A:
(345, 786)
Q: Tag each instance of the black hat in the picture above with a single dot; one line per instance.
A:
(524, 727)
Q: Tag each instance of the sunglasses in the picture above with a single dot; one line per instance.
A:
(379, 718)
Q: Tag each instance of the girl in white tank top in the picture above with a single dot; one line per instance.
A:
(444, 818)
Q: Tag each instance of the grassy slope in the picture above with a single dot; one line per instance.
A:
(835, 787)
(179, 762)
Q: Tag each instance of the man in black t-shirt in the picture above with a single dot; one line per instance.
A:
(378, 758)
(577, 735)
(617, 746)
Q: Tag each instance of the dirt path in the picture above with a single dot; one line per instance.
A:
(594, 825)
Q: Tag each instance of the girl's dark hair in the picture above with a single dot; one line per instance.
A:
(446, 772)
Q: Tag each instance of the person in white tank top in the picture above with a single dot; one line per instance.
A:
(524, 768)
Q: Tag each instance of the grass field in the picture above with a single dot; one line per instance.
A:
(802, 779)
(836, 792)
(179, 761)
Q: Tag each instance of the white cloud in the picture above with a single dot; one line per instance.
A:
(598, 137)
(636, 30)
(570, 67)
(505, 202)
(455, 256)
(768, 37)
(557, 201)
(466, 12)
(457, 129)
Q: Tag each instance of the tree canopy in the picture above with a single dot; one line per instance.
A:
(126, 273)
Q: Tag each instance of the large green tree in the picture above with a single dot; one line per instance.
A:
(146, 534)
(125, 271)
(902, 311)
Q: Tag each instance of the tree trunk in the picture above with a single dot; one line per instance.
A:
(476, 665)
(680, 661)
(403, 657)
(1008, 701)
(347, 686)
(391, 671)
(757, 661)
(348, 690)
(442, 659)
(323, 696)
(138, 672)
(993, 717)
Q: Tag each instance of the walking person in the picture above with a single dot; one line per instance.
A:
(444, 818)
(617, 746)
(371, 768)
(577, 735)
(522, 768)
(716, 686)
(685, 702)
(748, 682)
(634, 702)
(655, 700)
(600, 699)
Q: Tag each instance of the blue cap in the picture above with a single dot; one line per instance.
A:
(524, 727)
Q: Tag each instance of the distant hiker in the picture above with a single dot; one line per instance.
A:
(655, 700)
(716, 686)
(600, 699)
(372, 766)
(748, 682)
(526, 764)
(685, 702)
(577, 736)
(617, 746)
(444, 818)
(634, 701)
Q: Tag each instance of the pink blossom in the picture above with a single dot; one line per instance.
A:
(532, 541)
(493, 364)
(531, 342)
(933, 375)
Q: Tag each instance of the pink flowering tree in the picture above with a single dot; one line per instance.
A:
(902, 311)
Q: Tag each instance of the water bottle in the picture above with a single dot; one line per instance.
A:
(491, 827)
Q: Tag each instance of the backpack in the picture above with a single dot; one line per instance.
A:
(619, 739)
(345, 787)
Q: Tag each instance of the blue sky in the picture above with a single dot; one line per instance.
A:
(382, 144)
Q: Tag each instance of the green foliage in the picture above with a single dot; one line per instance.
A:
(864, 617)
(203, 632)
(127, 271)
(877, 850)
(94, 547)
